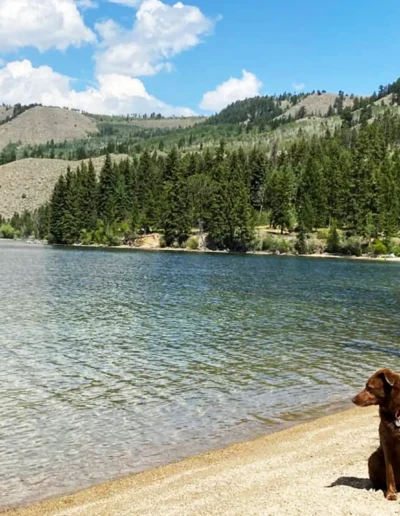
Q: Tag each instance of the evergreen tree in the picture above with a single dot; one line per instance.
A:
(70, 220)
(107, 191)
(256, 165)
(57, 209)
(281, 191)
(388, 201)
(176, 222)
(89, 197)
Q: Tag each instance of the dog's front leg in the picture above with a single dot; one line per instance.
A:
(391, 492)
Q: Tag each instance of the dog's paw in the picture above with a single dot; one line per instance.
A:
(391, 496)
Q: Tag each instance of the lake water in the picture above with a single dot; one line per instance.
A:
(116, 362)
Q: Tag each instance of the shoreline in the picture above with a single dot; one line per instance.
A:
(365, 257)
(317, 467)
(383, 258)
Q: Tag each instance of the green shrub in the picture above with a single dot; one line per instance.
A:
(192, 243)
(7, 231)
(275, 244)
(163, 242)
(352, 246)
(334, 244)
(111, 239)
(313, 246)
(379, 248)
(301, 243)
(323, 234)
(389, 244)
(396, 250)
(258, 243)
(269, 243)
(86, 237)
(285, 245)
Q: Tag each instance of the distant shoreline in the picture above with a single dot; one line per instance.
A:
(365, 257)
(382, 258)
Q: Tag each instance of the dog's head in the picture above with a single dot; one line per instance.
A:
(379, 389)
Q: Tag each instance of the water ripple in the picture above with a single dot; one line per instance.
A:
(114, 362)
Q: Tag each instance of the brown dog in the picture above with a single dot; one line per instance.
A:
(383, 389)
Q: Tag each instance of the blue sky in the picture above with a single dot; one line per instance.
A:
(196, 56)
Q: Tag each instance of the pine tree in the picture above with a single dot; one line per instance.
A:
(70, 221)
(256, 165)
(148, 196)
(57, 209)
(176, 222)
(231, 224)
(89, 197)
(281, 191)
(301, 242)
(388, 201)
(107, 191)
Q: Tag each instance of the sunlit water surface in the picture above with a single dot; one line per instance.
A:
(116, 362)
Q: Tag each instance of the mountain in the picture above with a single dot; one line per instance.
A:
(43, 124)
(40, 134)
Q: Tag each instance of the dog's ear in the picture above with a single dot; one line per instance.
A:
(388, 376)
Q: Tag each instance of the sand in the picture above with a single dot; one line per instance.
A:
(318, 468)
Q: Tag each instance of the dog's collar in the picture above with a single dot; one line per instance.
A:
(396, 416)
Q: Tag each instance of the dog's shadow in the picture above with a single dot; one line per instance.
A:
(354, 482)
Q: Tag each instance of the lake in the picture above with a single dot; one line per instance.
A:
(113, 362)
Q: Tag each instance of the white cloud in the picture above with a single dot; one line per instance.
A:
(127, 3)
(87, 4)
(299, 86)
(231, 91)
(21, 83)
(159, 32)
(42, 24)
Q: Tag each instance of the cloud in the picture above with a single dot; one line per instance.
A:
(42, 24)
(21, 83)
(299, 86)
(159, 32)
(127, 3)
(87, 4)
(231, 91)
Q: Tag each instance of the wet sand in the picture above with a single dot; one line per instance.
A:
(318, 468)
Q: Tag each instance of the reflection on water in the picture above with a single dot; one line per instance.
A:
(114, 362)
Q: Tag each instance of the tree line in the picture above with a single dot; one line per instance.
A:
(349, 179)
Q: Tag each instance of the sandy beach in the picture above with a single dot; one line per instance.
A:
(317, 468)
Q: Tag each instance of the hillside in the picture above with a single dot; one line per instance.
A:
(43, 124)
(149, 123)
(317, 105)
(28, 183)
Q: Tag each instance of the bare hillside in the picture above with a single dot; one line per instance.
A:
(317, 105)
(28, 183)
(42, 124)
(385, 101)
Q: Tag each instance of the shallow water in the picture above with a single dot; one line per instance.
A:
(115, 362)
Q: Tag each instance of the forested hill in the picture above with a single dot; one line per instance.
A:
(284, 108)
(44, 132)
(349, 180)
